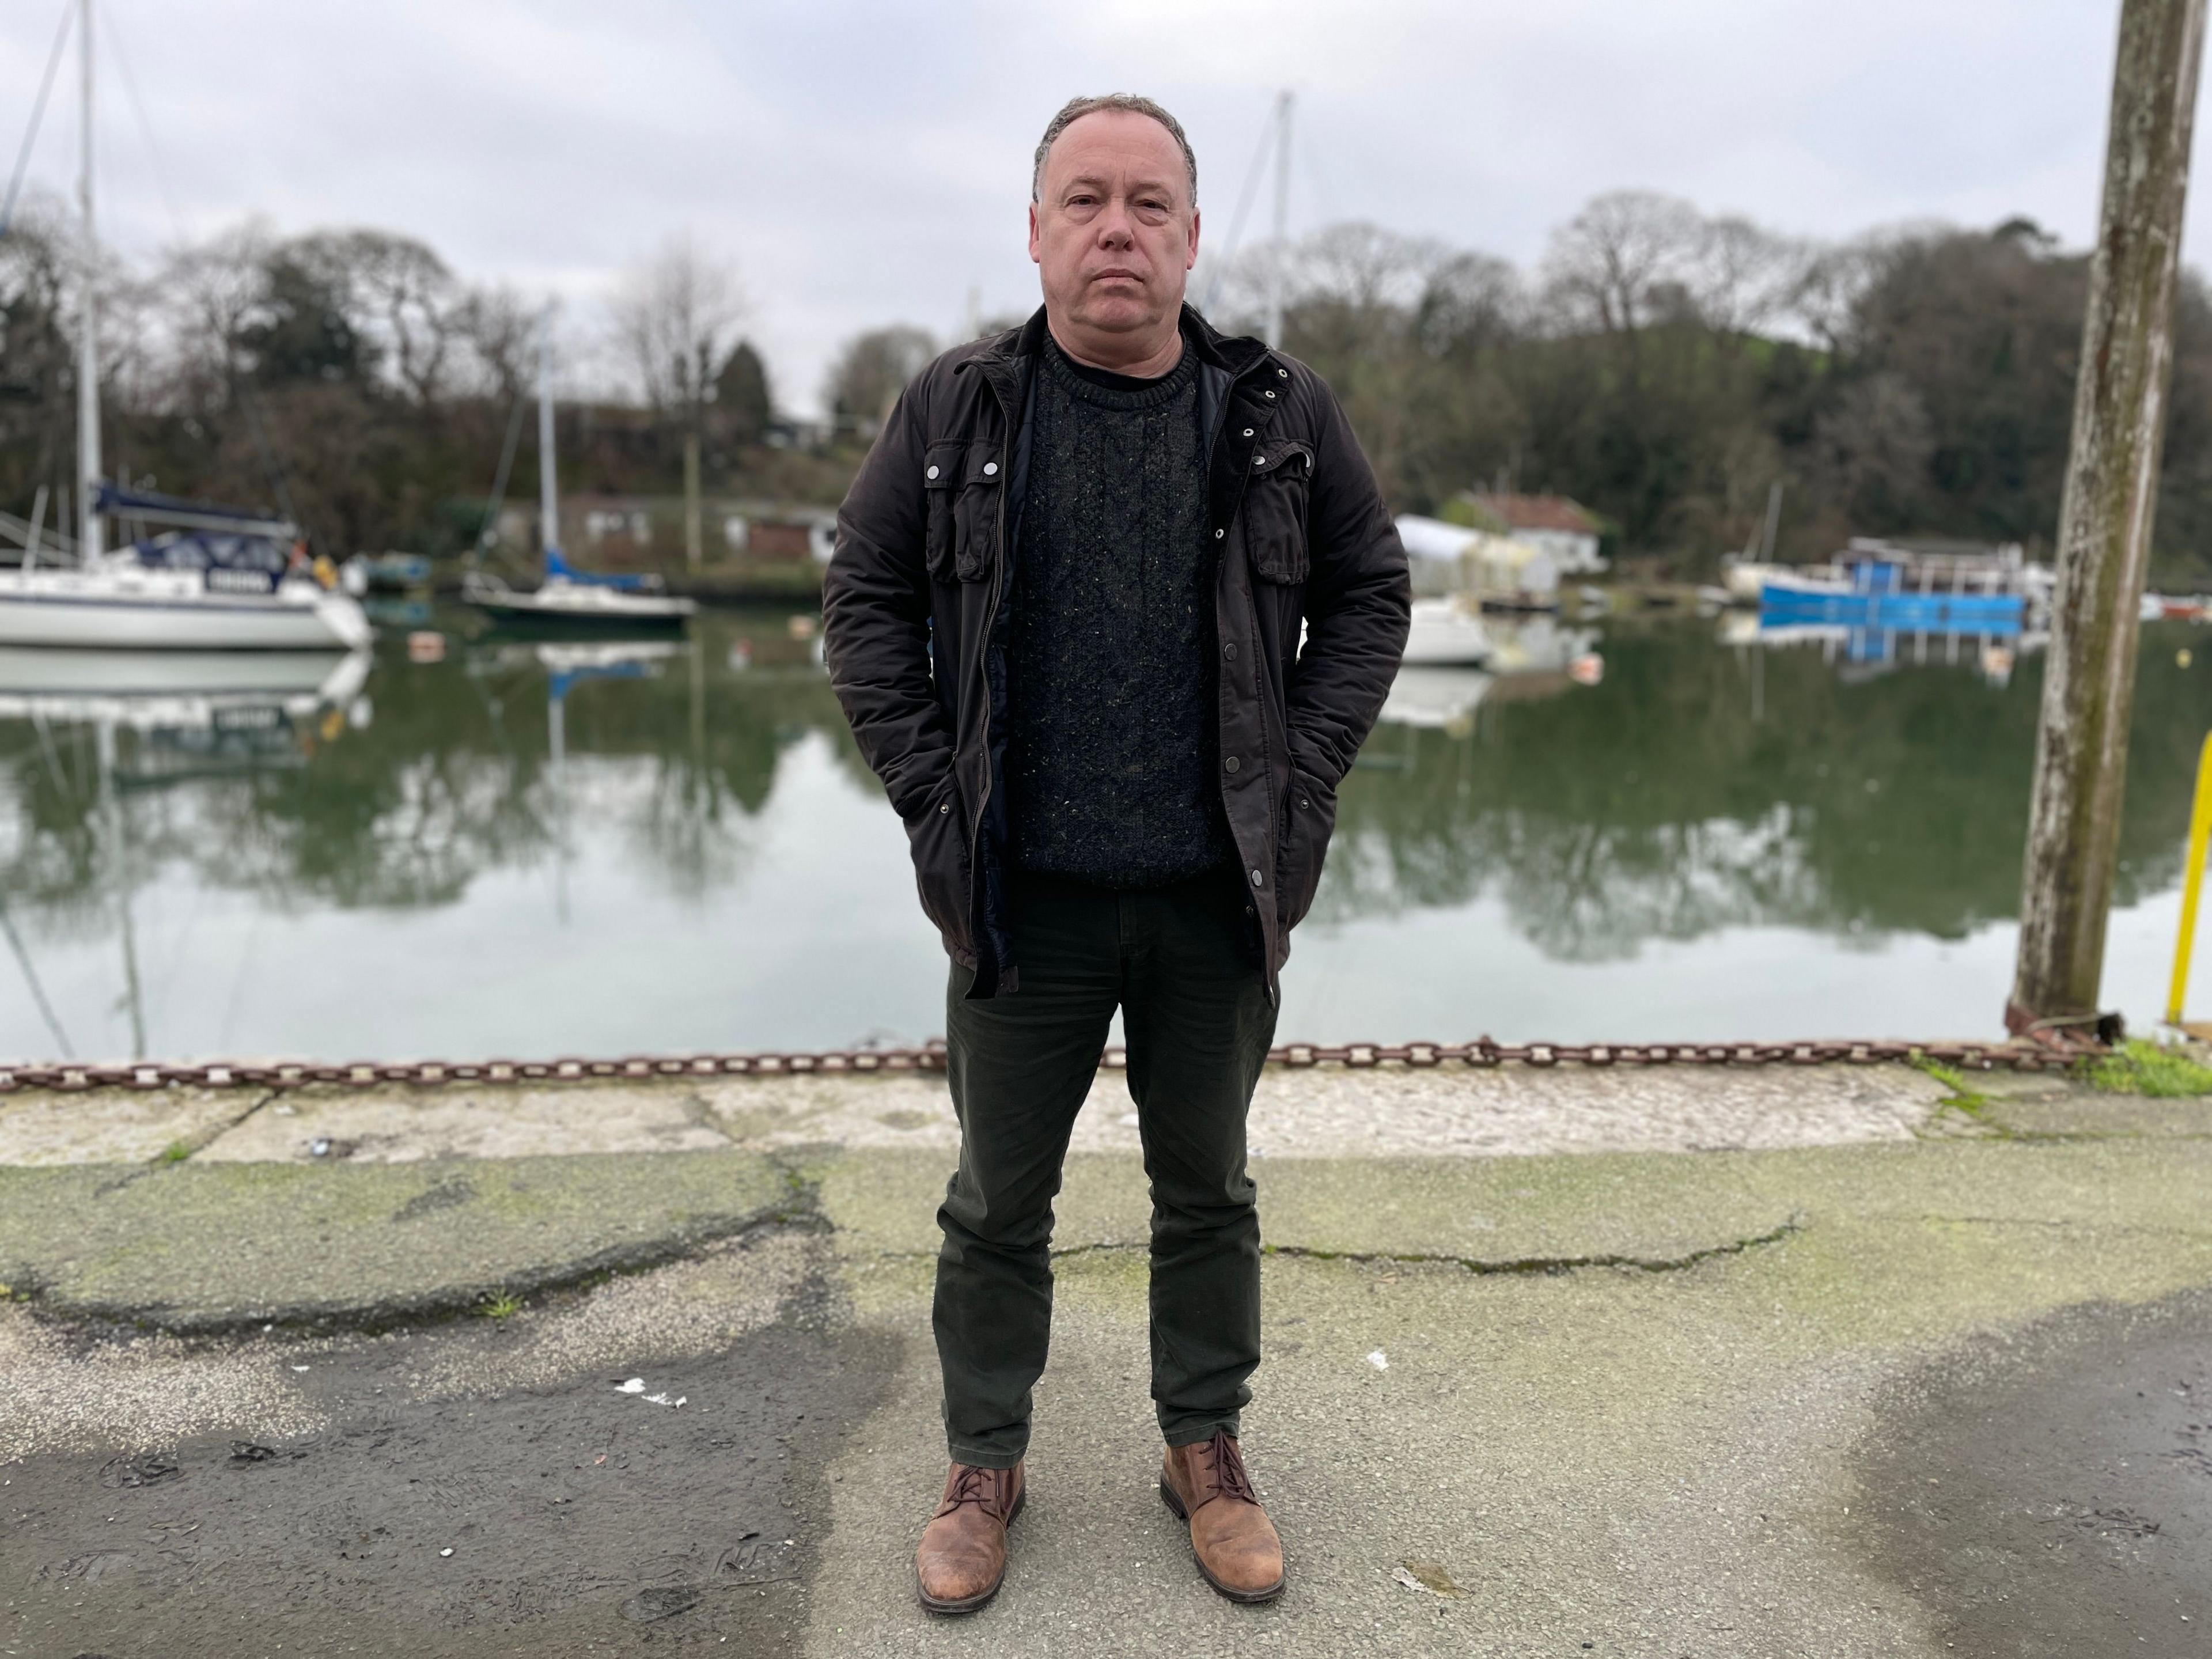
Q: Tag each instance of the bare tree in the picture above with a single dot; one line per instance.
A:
(216, 290)
(871, 370)
(1742, 277)
(407, 298)
(675, 316)
(497, 331)
(1607, 266)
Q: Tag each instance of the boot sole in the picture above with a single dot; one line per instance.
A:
(970, 1603)
(1249, 1598)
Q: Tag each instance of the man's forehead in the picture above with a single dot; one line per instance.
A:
(1112, 142)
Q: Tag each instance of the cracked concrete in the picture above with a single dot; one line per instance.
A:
(1653, 1401)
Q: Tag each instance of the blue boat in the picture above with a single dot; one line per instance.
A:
(1872, 594)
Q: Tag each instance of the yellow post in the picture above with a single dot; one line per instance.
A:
(2192, 877)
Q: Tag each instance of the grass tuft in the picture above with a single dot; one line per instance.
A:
(2139, 1067)
(176, 1152)
(501, 1306)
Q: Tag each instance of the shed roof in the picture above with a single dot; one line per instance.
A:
(1536, 512)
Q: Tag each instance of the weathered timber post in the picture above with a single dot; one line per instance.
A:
(2104, 519)
(692, 550)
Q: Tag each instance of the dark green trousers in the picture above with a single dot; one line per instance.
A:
(1197, 1022)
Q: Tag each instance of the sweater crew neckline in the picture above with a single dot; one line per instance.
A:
(1102, 385)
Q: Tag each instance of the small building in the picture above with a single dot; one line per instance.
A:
(1565, 529)
(1500, 573)
(781, 532)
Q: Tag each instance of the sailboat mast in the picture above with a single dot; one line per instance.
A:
(1282, 220)
(549, 492)
(89, 541)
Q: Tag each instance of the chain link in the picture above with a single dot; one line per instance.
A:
(1483, 1052)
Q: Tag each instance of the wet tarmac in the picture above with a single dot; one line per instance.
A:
(574, 1518)
(2051, 1496)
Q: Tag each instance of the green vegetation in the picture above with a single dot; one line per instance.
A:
(2138, 1067)
(1967, 1101)
(176, 1152)
(501, 1305)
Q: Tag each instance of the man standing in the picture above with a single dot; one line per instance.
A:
(1064, 620)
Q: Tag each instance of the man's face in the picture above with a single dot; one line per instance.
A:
(1113, 230)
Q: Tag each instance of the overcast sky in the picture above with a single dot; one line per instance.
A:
(865, 161)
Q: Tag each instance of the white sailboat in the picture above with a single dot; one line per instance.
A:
(568, 598)
(216, 578)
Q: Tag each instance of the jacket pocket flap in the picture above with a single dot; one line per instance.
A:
(983, 465)
(1292, 455)
(941, 465)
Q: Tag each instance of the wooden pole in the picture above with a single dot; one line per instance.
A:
(692, 548)
(2104, 519)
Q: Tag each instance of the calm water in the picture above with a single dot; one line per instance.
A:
(535, 850)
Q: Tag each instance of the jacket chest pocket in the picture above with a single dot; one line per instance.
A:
(965, 484)
(1275, 509)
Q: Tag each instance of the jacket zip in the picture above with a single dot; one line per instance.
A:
(979, 915)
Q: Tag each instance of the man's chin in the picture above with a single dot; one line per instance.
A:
(1117, 316)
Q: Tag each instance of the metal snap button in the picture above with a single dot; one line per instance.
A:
(1284, 372)
(990, 468)
(931, 473)
(1266, 394)
(1259, 460)
(1219, 534)
(947, 807)
(1248, 431)
(1255, 878)
(1229, 651)
(1233, 763)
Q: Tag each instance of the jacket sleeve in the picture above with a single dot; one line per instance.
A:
(1359, 601)
(875, 616)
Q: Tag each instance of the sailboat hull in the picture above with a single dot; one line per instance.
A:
(164, 610)
(564, 607)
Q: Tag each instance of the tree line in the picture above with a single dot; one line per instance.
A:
(1663, 366)
(1667, 367)
(353, 381)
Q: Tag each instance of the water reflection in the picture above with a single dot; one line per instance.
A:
(600, 846)
(1697, 788)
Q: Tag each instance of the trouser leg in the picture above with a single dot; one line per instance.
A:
(1198, 1025)
(1019, 1068)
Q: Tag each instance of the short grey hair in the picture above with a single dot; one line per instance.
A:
(1076, 108)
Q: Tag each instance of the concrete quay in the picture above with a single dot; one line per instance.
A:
(1679, 1361)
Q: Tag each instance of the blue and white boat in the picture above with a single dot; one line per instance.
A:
(567, 599)
(215, 578)
(1872, 590)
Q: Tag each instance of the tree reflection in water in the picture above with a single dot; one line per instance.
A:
(1667, 801)
(1694, 790)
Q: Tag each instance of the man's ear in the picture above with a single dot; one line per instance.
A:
(1191, 258)
(1036, 257)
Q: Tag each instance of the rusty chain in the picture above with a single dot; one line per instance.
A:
(1483, 1052)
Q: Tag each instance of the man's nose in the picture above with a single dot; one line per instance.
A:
(1114, 227)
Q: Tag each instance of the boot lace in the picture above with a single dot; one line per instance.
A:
(979, 1487)
(1229, 1473)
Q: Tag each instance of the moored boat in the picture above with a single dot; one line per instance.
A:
(216, 578)
(566, 598)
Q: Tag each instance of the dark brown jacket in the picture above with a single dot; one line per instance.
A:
(914, 625)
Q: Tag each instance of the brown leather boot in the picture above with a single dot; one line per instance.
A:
(961, 1559)
(1235, 1542)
